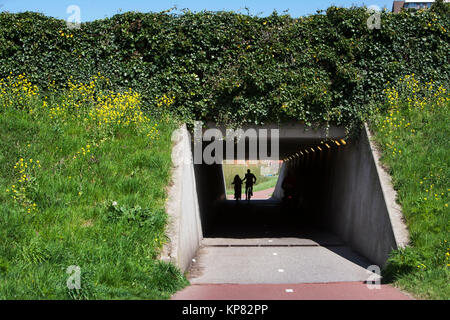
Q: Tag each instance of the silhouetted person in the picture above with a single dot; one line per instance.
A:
(237, 187)
(289, 186)
(250, 180)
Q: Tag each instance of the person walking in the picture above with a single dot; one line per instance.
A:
(237, 187)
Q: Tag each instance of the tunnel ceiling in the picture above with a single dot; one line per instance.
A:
(286, 147)
(293, 137)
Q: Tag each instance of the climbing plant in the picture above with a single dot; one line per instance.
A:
(234, 68)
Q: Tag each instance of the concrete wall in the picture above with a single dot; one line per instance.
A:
(210, 190)
(278, 193)
(359, 202)
(346, 191)
(184, 228)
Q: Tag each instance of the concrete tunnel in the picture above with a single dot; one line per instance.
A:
(338, 187)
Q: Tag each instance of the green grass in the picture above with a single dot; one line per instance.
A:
(102, 211)
(414, 138)
(268, 184)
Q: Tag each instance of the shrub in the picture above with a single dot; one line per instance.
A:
(234, 68)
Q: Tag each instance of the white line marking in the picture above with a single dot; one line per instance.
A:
(289, 290)
(280, 270)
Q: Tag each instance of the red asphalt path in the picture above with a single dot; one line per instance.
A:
(263, 194)
(257, 195)
(305, 291)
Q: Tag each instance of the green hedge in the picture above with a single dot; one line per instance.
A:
(235, 68)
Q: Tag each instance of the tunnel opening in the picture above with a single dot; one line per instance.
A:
(266, 174)
(308, 158)
(297, 215)
(344, 212)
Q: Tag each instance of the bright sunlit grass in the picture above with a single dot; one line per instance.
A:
(83, 182)
(413, 133)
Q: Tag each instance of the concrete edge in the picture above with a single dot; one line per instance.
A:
(169, 251)
(399, 228)
(183, 230)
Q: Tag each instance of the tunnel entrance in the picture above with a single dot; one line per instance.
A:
(342, 218)
(307, 159)
(266, 174)
(292, 237)
(336, 223)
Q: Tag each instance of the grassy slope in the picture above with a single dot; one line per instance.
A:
(76, 223)
(416, 148)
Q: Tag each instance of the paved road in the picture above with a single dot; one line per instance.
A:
(257, 195)
(260, 251)
(263, 194)
(315, 291)
(275, 261)
(316, 266)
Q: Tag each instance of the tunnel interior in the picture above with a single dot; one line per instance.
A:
(343, 196)
(309, 162)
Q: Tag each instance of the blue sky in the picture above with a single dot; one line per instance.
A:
(97, 9)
